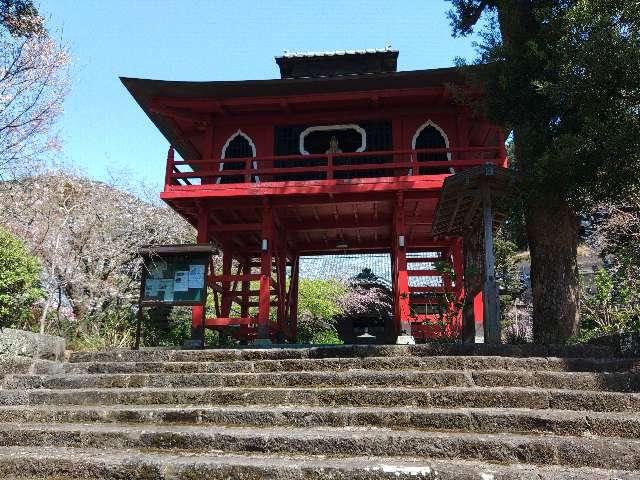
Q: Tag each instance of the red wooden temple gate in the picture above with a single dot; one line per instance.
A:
(342, 154)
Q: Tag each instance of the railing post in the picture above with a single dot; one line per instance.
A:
(330, 167)
(247, 172)
(170, 166)
(411, 161)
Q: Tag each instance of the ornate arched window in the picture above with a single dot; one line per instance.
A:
(430, 135)
(238, 145)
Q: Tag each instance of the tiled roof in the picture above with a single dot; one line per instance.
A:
(336, 53)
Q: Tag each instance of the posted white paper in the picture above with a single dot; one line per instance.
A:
(181, 281)
(196, 276)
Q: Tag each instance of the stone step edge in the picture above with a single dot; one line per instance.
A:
(139, 465)
(448, 397)
(346, 351)
(478, 420)
(371, 363)
(622, 454)
(583, 381)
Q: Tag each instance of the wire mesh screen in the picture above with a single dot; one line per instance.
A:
(346, 266)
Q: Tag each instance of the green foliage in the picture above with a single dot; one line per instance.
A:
(319, 297)
(326, 337)
(166, 327)
(317, 310)
(506, 266)
(19, 281)
(612, 305)
(116, 329)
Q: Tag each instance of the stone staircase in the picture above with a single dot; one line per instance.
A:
(368, 412)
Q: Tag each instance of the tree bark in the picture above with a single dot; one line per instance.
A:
(552, 229)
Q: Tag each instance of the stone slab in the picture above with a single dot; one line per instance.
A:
(21, 343)
(50, 462)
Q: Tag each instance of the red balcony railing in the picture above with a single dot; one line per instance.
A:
(286, 168)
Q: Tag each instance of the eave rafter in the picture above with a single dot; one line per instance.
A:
(199, 120)
(224, 107)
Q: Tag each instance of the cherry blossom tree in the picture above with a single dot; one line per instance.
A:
(34, 80)
(87, 235)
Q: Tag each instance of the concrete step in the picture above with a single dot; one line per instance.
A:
(479, 420)
(448, 397)
(619, 381)
(444, 362)
(571, 451)
(15, 364)
(72, 464)
(344, 351)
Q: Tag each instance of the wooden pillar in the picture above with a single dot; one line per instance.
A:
(246, 286)
(394, 287)
(399, 247)
(490, 288)
(281, 275)
(168, 180)
(197, 312)
(266, 255)
(227, 260)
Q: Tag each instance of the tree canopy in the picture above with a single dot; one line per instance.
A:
(34, 83)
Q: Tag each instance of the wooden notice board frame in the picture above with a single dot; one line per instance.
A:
(173, 275)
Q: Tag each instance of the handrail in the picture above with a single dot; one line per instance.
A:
(312, 156)
(254, 169)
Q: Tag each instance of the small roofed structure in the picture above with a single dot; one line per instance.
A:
(473, 204)
(337, 64)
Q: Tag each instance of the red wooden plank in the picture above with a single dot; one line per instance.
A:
(426, 290)
(225, 322)
(233, 278)
(424, 273)
(424, 259)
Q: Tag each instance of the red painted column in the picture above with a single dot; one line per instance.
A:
(244, 298)
(281, 275)
(478, 311)
(168, 181)
(244, 305)
(264, 299)
(197, 313)
(401, 275)
(227, 260)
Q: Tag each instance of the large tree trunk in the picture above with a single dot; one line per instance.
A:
(552, 228)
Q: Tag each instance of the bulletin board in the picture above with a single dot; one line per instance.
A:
(174, 277)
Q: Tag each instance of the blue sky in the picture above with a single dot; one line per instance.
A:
(103, 129)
